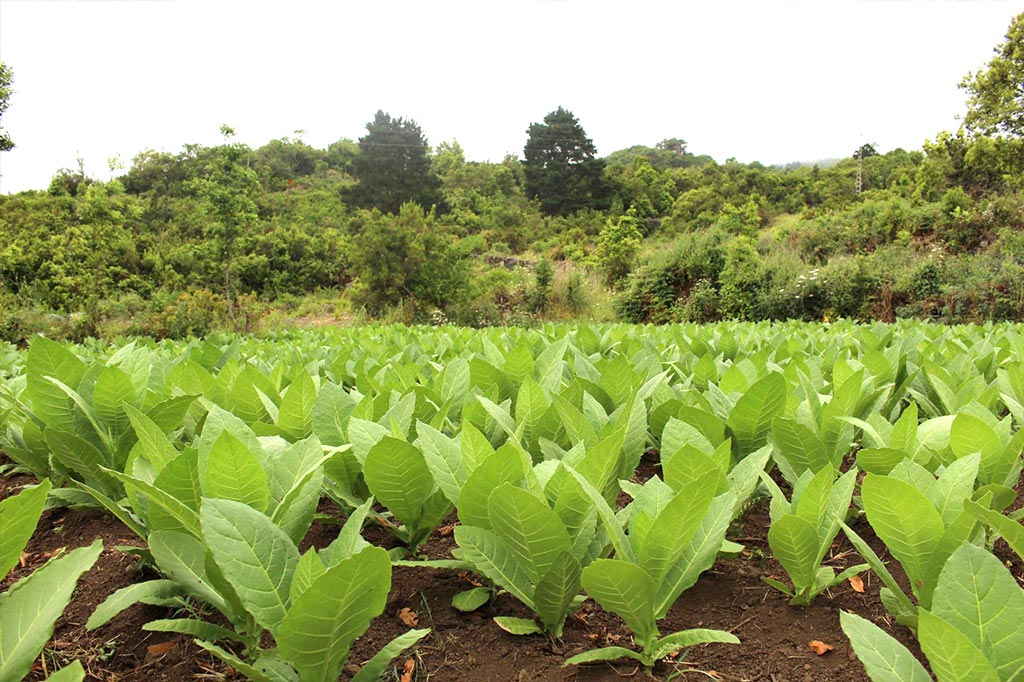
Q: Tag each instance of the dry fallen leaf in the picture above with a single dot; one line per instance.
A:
(410, 667)
(819, 647)
(445, 531)
(856, 583)
(154, 651)
(409, 617)
(24, 559)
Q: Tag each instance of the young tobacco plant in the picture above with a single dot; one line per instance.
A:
(228, 460)
(247, 567)
(29, 608)
(74, 421)
(672, 537)
(803, 529)
(922, 520)
(970, 632)
(532, 541)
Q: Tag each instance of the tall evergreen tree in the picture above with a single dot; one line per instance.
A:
(393, 166)
(561, 167)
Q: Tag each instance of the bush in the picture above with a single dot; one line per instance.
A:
(741, 281)
(617, 246)
(193, 313)
(703, 304)
(655, 291)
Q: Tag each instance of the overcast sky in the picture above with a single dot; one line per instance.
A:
(772, 80)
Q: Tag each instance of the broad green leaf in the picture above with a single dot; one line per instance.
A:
(256, 557)
(475, 447)
(152, 439)
(906, 522)
(375, 667)
(955, 486)
(296, 479)
(493, 559)
(601, 464)
(531, 405)
(81, 457)
(183, 559)
(673, 529)
(1010, 530)
(234, 473)
(296, 414)
(331, 411)
(880, 460)
(750, 420)
(72, 672)
(309, 568)
(685, 639)
(217, 422)
(19, 515)
(443, 457)
(197, 628)
(321, 625)
(494, 470)
(794, 542)
(169, 414)
(181, 513)
(529, 527)
(455, 383)
(626, 590)
(885, 659)
(471, 599)
(573, 507)
(799, 449)
(46, 358)
(952, 655)
(689, 466)
(968, 435)
(982, 600)
(29, 609)
(252, 672)
(607, 653)
(697, 556)
(556, 590)
(518, 626)
(677, 434)
(399, 478)
(113, 390)
(158, 592)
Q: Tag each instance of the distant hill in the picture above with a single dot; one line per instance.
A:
(820, 163)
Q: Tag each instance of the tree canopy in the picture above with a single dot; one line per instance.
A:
(561, 167)
(995, 94)
(6, 143)
(393, 166)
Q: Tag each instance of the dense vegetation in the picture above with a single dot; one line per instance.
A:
(217, 454)
(388, 226)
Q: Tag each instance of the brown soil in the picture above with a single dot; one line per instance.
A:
(470, 647)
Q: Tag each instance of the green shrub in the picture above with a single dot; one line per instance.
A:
(654, 291)
(193, 313)
(741, 280)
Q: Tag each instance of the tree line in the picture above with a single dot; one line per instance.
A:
(183, 242)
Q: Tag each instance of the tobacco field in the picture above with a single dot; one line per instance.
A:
(737, 501)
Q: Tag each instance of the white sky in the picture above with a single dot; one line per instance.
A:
(771, 80)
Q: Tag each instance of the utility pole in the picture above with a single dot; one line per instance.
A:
(860, 169)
